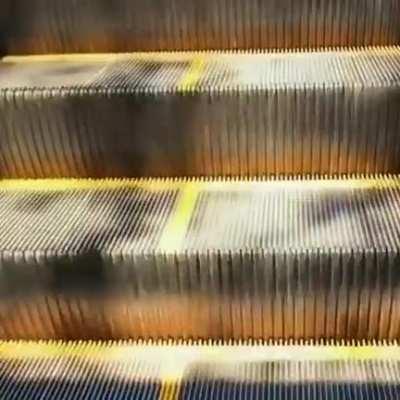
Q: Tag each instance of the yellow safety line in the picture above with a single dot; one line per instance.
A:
(170, 389)
(59, 58)
(159, 184)
(103, 57)
(176, 228)
(24, 350)
(86, 184)
(171, 374)
(193, 75)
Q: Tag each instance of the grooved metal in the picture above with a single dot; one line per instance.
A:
(293, 258)
(187, 371)
(200, 114)
(60, 26)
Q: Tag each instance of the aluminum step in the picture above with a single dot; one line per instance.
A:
(62, 26)
(172, 371)
(200, 114)
(293, 258)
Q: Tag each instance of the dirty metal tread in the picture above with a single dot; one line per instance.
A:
(200, 114)
(293, 258)
(60, 26)
(208, 370)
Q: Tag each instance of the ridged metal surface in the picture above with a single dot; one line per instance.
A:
(303, 258)
(185, 371)
(59, 26)
(200, 114)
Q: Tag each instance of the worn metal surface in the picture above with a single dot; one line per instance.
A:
(200, 259)
(59, 26)
(185, 371)
(200, 114)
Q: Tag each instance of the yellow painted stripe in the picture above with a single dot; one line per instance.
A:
(59, 58)
(177, 356)
(170, 389)
(47, 185)
(89, 58)
(175, 230)
(22, 350)
(193, 75)
(159, 184)
(184, 55)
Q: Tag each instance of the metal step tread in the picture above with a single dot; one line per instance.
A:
(302, 258)
(190, 370)
(126, 217)
(182, 72)
(200, 114)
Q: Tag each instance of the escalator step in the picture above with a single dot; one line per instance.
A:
(200, 114)
(293, 258)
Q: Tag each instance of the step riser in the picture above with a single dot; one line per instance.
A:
(60, 26)
(317, 131)
(303, 296)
